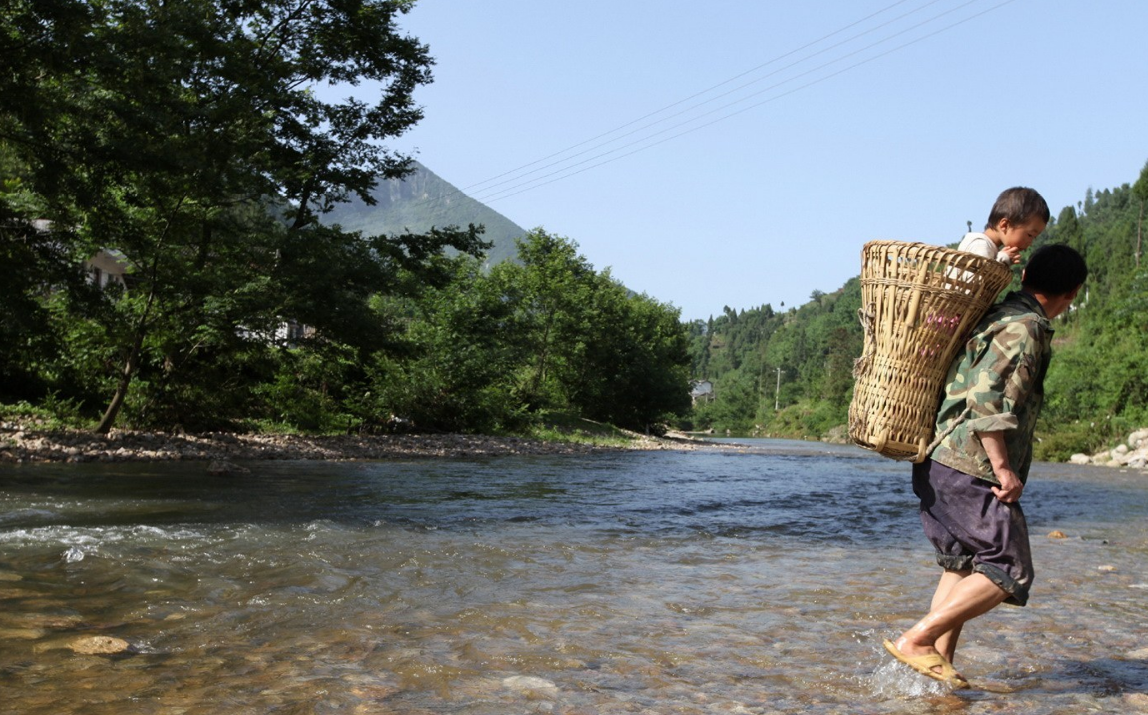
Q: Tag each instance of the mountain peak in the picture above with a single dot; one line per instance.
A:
(423, 200)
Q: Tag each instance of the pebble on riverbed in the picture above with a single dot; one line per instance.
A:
(530, 685)
(99, 645)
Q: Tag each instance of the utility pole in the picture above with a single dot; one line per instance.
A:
(777, 392)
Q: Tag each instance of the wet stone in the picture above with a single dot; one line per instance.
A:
(21, 634)
(223, 468)
(99, 645)
(44, 621)
(530, 685)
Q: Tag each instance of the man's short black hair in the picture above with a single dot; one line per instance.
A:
(1055, 270)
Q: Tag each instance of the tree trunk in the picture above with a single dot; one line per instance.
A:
(1139, 227)
(540, 374)
(130, 364)
(125, 382)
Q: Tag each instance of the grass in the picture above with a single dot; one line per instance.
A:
(568, 428)
(53, 414)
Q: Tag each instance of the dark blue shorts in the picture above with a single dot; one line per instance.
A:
(972, 529)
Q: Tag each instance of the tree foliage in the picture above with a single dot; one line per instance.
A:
(194, 138)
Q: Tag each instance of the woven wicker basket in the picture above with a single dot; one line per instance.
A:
(918, 304)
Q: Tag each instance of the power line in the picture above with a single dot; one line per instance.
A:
(492, 193)
(704, 91)
(819, 40)
(529, 187)
(708, 101)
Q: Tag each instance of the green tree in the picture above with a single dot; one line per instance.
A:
(551, 290)
(456, 365)
(1140, 191)
(634, 371)
(584, 343)
(193, 137)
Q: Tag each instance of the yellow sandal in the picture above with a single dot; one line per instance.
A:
(924, 665)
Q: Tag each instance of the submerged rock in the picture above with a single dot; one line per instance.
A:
(23, 634)
(1138, 701)
(221, 468)
(530, 684)
(99, 645)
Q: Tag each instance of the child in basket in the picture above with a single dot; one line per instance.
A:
(1019, 215)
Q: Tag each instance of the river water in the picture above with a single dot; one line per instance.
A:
(753, 580)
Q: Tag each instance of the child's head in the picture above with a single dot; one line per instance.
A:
(1019, 215)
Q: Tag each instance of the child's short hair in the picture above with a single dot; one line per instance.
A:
(1055, 269)
(1018, 204)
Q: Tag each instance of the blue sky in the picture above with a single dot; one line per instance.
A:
(848, 144)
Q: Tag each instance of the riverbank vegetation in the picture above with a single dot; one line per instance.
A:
(164, 169)
(788, 372)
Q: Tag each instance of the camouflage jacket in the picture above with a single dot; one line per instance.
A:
(998, 380)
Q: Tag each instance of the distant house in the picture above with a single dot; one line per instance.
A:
(702, 390)
(289, 333)
(108, 266)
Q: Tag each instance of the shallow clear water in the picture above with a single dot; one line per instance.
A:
(756, 581)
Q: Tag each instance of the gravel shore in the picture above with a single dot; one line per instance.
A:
(20, 445)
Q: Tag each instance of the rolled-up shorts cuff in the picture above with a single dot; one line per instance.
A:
(951, 562)
(1017, 593)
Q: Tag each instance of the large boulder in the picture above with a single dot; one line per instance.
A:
(1138, 439)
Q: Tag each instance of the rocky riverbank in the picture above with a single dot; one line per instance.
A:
(21, 444)
(1132, 454)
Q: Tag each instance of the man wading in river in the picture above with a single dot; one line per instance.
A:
(970, 487)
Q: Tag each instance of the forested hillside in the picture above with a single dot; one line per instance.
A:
(800, 360)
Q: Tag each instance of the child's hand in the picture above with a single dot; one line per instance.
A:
(1011, 253)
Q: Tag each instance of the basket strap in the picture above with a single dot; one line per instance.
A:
(948, 431)
(868, 318)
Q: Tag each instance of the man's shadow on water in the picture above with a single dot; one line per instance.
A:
(1108, 676)
(1100, 678)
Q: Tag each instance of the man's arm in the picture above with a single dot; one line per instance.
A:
(1011, 486)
